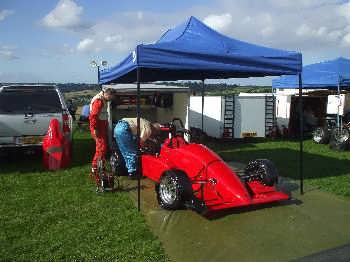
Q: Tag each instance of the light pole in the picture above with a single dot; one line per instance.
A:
(104, 64)
(93, 63)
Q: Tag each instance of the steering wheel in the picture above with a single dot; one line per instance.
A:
(181, 130)
(151, 147)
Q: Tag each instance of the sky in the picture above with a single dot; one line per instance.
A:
(55, 40)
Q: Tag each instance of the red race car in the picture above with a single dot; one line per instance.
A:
(191, 175)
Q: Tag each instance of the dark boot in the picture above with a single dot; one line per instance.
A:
(96, 176)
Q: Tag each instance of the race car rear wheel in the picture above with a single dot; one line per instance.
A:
(262, 170)
(173, 190)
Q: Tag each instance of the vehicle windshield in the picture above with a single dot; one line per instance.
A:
(30, 101)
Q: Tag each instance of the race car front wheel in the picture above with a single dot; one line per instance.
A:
(262, 170)
(173, 190)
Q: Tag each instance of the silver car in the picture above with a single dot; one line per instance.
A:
(26, 111)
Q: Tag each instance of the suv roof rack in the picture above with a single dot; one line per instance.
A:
(27, 87)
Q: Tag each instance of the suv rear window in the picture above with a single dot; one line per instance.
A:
(30, 101)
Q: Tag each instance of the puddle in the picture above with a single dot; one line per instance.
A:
(278, 232)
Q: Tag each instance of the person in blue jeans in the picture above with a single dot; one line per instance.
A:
(125, 133)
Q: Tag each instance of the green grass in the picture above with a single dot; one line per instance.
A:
(57, 216)
(323, 168)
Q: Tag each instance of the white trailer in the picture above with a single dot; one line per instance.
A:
(338, 104)
(320, 100)
(238, 116)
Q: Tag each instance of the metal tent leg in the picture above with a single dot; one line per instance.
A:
(139, 162)
(202, 105)
(338, 106)
(301, 136)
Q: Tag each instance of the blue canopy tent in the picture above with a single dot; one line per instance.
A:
(333, 74)
(194, 51)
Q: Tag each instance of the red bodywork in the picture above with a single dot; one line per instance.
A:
(213, 181)
(56, 147)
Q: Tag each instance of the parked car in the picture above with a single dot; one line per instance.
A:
(25, 114)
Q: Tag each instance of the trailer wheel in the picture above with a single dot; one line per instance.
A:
(338, 146)
(173, 190)
(263, 170)
(340, 135)
(339, 139)
(320, 135)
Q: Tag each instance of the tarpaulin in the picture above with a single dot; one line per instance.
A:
(324, 75)
(56, 148)
(194, 51)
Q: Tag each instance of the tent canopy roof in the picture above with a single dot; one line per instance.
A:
(324, 75)
(194, 51)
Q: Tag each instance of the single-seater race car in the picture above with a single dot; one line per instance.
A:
(191, 175)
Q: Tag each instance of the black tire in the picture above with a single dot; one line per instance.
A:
(263, 170)
(346, 118)
(338, 146)
(340, 136)
(320, 135)
(173, 190)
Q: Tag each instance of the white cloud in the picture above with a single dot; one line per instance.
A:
(123, 31)
(344, 10)
(267, 31)
(113, 38)
(67, 49)
(139, 15)
(346, 40)
(86, 45)
(66, 15)
(318, 28)
(7, 52)
(218, 22)
(247, 19)
(5, 13)
(322, 32)
(299, 4)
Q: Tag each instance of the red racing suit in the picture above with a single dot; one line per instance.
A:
(99, 121)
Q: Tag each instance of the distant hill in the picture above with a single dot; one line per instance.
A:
(81, 93)
(211, 89)
(66, 87)
(220, 88)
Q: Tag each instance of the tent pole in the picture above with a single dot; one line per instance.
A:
(98, 76)
(338, 106)
(301, 135)
(139, 162)
(202, 105)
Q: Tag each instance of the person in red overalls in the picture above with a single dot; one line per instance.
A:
(99, 124)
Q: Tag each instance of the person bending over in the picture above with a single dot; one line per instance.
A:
(125, 133)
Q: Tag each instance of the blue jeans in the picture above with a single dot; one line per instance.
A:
(127, 144)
